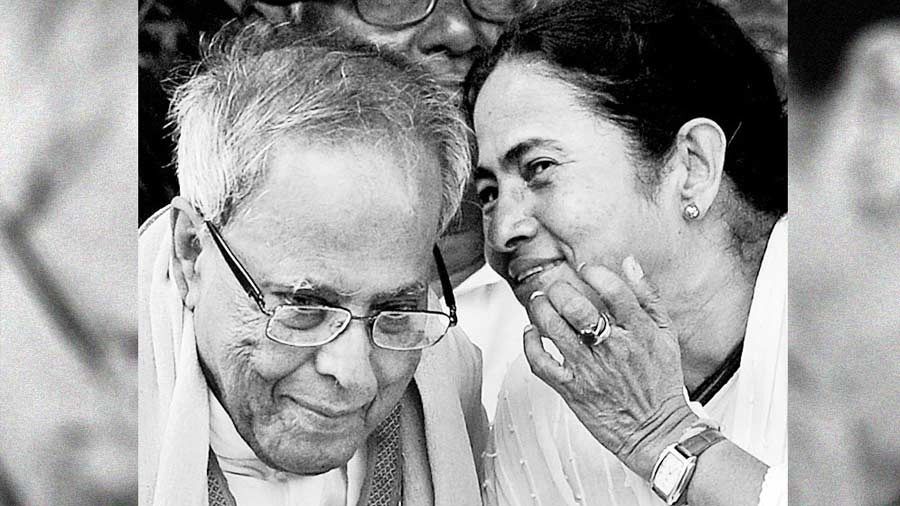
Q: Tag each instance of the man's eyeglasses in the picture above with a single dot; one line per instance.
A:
(314, 325)
(402, 13)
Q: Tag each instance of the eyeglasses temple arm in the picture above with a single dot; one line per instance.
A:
(446, 286)
(240, 273)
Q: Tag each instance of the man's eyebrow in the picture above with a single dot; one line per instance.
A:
(310, 288)
(306, 287)
(416, 289)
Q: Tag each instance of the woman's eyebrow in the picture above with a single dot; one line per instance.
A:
(482, 173)
(515, 153)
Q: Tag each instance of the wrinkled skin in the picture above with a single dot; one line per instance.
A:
(322, 228)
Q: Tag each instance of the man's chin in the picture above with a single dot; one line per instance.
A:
(310, 459)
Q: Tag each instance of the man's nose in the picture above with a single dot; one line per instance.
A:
(348, 359)
(452, 29)
(511, 223)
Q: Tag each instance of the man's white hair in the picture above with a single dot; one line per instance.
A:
(263, 83)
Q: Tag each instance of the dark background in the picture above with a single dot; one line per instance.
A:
(171, 29)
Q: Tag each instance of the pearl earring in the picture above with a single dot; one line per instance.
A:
(691, 212)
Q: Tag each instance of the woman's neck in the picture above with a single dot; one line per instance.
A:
(710, 309)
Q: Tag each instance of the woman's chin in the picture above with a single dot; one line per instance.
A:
(544, 280)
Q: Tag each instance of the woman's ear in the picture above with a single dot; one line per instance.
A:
(186, 228)
(700, 149)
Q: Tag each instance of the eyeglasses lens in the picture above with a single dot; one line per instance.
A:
(393, 13)
(317, 325)
(409, 330)
(398, 13)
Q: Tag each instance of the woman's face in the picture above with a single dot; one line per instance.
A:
(558, 185)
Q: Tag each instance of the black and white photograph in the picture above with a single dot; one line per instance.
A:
(450, 252)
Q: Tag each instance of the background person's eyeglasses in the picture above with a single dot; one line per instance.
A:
(402, 13)
(315, 325)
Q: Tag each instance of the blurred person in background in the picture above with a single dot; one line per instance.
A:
(624, 145)
(290, 349)
(68, 399)
(845, 253)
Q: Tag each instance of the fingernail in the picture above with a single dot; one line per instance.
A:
(580, 266)
(633, 267)
(535, 294)
(528, 328)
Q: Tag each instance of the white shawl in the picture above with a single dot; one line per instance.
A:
(174, 416)
(540, 454)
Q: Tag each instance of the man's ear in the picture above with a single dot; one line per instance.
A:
(700, 150)
(186, 230)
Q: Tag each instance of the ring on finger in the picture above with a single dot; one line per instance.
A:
(594, 335)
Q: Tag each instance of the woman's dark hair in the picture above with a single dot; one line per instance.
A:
(822, 31)
(649, 66)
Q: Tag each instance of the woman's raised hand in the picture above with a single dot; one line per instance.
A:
(627, 389)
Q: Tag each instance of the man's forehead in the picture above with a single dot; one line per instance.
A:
(346, 218)
(348, 191)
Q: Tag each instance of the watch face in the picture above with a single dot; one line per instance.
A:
(669, 474)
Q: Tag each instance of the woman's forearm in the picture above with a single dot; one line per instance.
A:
(726, 475)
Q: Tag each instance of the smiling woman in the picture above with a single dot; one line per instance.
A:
(632, 199)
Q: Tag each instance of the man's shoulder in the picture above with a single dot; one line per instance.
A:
(454, 359)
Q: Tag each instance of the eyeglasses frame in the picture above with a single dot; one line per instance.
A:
(254, 292)
(428, 12)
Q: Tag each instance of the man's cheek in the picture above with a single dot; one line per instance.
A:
(270, 360)
(396, 367)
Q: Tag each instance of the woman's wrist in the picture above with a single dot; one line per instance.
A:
(642, 448)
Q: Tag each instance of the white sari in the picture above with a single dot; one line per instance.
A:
(540, 454)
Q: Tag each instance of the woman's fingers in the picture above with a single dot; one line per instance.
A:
(574, 307)
(551, 325)
(616, 294)
(646, 292)
(543, 365)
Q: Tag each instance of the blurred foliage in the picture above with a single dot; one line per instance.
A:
(171, 29)
(168, 38)
(68, 335)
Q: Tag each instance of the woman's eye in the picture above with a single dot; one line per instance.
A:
(537, 167)
(486, 194)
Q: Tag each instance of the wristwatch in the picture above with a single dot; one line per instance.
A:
(675, 467)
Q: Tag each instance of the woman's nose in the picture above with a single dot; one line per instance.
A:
(511, 222)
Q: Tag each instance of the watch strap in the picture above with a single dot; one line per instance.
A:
(699, 426)
(690, 446)
(694, 445)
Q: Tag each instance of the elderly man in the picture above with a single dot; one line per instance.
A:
(447, 36)
(290, 352)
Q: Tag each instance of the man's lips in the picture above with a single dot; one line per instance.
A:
(329, 411)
